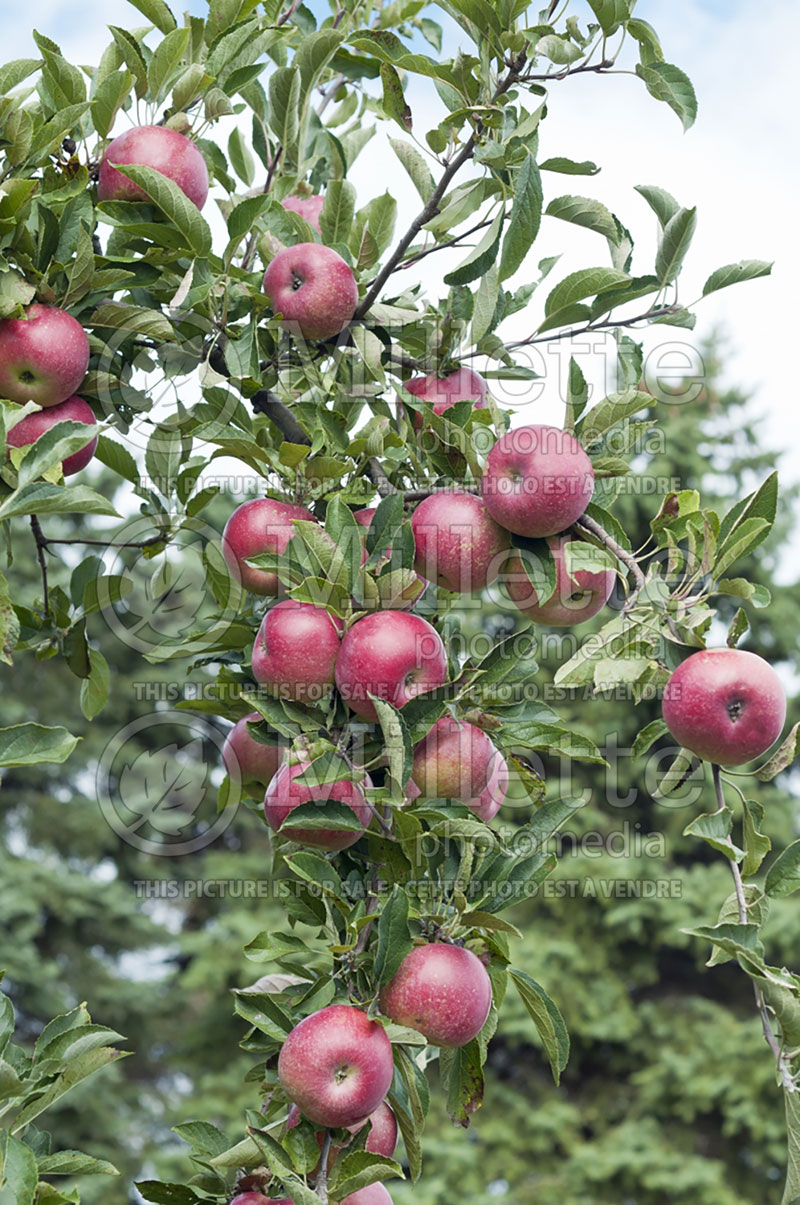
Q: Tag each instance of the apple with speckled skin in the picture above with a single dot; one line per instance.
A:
(284, 794)
(441, 990)
(463, 385)
(392, 655)
(262, 525)
(306, 207)
(574, 600)
(458, 543)
(247, 759)
(295, 651)
(33, 426)
(537, 481)
(456, 761)
(43, 356)
(373, 1194)
(313, 289)
(336, 1066)
(166, 151)
(725, 705)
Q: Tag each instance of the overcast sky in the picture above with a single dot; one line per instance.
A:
(736, 165)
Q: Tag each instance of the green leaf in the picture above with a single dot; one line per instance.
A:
(41, 497)
(62, 440)
(756, 844)
(166, 60)
(526, 216)
(157, 12)
(612, 410)
(284, 99)
(715, 828)
(584, 211)
(558, 50)
(74, 1163)
(18, 1172)
(416, 166)
(111, 94)
(14, 292)
(94, 689)
(394, 936)
(734, 274)
(76, 1071)
(547, 1019)
(242, 161)
(397, 741)
(462, 1073)
(132, 57)
(668, 83)
(662, 203)
(338, 209)
(481, 258)
(173, 203)
(31, 744)
(675, 242)
(138, 319)
(611, 13)
(394, 102)
(13, 73)
(738, 626)
(782, 758)
(569, 167)
(587, 282)
(647, 737)
(358, 1169)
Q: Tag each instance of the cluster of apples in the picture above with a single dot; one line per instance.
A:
(336, 1065)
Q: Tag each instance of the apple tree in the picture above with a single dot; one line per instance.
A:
(193, 293)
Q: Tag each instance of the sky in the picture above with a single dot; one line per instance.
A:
(735, 164)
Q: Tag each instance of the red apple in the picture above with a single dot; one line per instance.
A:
(574, 600)
(262, 525)
(295, 651)
(537, 480)
(258, 1198)
(392, 655)
(337, 1066)
(725, 705)
(33, 426)
(441, 990)
(243, 756)
(491, 799)
(307, 207)
(373, 1194)
(463, 385)
(43, 356)
(165, 150)
(313, 289)
(383, 1130)
(454, 761)
(284, 795)
(459, 545)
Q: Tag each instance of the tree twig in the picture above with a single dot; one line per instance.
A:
(41, 546)
(322, 1177)
(431, 207)
(451, 242)
(623, 556)
(785, 1074)
(589, 329)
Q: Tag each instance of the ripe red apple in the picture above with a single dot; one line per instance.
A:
(537, 480)
(284, 795)
(307, 207)
(33, 426)
(574, 600)
(441, 990)
(243, 756)
(313, 289)
(392, 655)
(262, 525)
(373, 1194)
(295, 651)
(337, 1066)
(258, 1198)
(463, 385)
(454, 761)
(165, 150)
(725, 705)
(383, 1130)
(43, 356)
(491, 799)
(459, 545)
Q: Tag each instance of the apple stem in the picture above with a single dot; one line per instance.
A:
(786, 1077)
(322, 1178)
(623, 556)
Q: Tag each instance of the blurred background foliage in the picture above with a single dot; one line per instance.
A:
(669, 1095)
